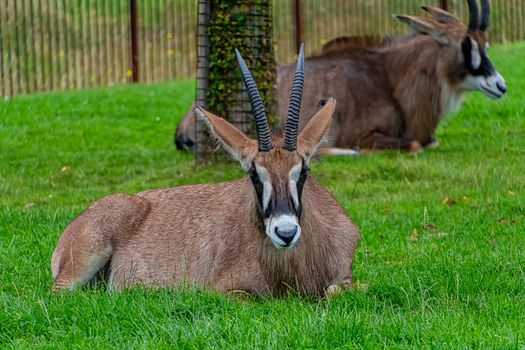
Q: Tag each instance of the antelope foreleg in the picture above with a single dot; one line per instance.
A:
(377, 140)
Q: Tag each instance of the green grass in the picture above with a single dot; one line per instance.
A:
(434, 272)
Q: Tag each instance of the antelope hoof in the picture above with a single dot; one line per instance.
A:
(239, 294)
(434, 143)
(415, 147)
(333, 290)
(60, 287)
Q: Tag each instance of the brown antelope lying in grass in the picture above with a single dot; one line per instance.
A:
(275, 229)
(393, 94)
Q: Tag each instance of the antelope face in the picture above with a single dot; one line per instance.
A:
(474, 68)
(480, 73)
(278, 178)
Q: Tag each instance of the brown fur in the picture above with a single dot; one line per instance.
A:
(211, 235)
(355, 41)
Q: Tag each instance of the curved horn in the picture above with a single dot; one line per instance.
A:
(473, 22)
(485, 14)
(264, 137)
(294, 107)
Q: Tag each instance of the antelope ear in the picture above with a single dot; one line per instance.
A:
(234, 141)
(315, 131)
(440, 15)
(425, 26)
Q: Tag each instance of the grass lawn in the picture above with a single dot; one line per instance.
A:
(441, 262)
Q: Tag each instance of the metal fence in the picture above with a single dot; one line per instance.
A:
(59, 44)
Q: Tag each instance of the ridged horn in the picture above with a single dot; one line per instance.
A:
(264, 137)
(485, 15)
(473, 22)
(294, 107)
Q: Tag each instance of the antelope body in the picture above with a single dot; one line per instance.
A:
(272, 230)
(393, 93)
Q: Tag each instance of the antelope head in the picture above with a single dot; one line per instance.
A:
(277, 167)
(473, 68)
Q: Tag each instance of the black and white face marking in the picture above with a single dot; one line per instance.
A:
(481, 74)
(279, 203)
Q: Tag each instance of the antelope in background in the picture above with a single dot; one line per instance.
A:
(275, 229)
(392, 93)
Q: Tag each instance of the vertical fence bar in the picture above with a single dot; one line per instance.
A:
(203, 13)
(25, 43)
(150, 30)
(17, 50)
(169, 38)
(2, 74)
(89, 57)
(72, 44)
(165, 39)
(151, 40)
(50, 48)
(123, 66)
(67, 67)
(160, 34)
(112, 20)
(145, 43)
(125, 28)
(97, 44)
(42, 74)
(154, 42)
(82, 48)
(176, 43)
(8, 44)
(33, 43)
(105, 35)
(58, 52)
(515, 24)
(183, 62)
(298, 25)
(521, 18)
(444, 4)
(134, 41)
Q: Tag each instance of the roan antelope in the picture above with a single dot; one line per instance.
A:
(393, 93)
(275, 229)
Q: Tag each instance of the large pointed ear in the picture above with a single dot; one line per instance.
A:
(234, 141)
(441, 16)
(315, 131)
(425, 26)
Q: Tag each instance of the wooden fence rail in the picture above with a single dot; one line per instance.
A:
(72, 44)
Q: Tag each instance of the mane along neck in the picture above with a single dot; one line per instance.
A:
(421, 75)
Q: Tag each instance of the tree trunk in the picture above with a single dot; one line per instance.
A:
(246, 26)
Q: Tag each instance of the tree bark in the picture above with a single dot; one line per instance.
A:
(246, 26)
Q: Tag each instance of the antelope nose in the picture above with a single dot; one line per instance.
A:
(286, 235)
(502, 87)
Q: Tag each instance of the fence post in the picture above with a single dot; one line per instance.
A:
(134, 41)
(298, 27)
(444, 5)
(203, 17)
